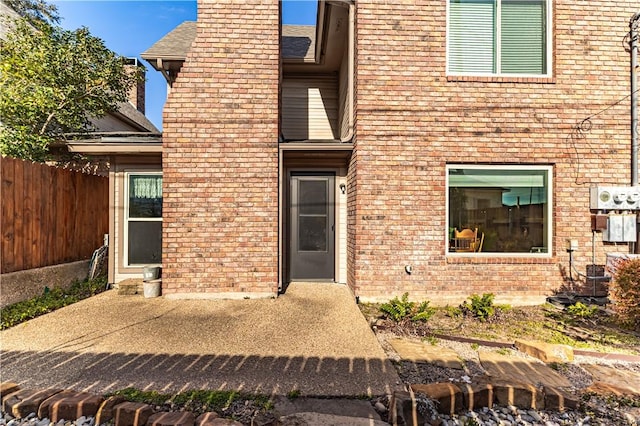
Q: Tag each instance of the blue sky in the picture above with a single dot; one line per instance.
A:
(131, 27)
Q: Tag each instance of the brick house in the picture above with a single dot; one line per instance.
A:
(351, 151)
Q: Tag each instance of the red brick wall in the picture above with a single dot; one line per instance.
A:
(220, 155)
(412, 120)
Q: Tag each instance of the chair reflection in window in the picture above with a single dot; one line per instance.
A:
(467, 240)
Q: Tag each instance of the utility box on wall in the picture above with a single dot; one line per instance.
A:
(621, 228)
(614, 198)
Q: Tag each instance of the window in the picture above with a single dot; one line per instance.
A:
(143, 218)
(509, 206)
(499, 37)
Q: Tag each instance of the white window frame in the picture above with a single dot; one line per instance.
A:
(546, 168)
(498, 53)
(125, 225)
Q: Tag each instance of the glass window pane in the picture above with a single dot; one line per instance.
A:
(312, 197)
(145, 242)
(312, 233)
(523, 37)
(477, 35)
(471, 36)
(145, 196)
(511, 214)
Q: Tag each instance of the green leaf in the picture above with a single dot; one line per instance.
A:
(52, 81)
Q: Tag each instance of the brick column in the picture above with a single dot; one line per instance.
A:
(220, 156)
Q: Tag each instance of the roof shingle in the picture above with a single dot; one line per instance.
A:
(298, 42)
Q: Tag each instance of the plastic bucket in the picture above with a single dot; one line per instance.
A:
(151, 273)
(152, 288)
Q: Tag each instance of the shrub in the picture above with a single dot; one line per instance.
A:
(402, 309)
(581, 310)
(49, 301)
(625, 293)
(481, 307)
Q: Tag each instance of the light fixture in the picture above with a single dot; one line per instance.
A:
(572, 245)
(343, 188)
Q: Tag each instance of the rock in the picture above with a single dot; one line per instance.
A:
(546, 352)
(105, 411)
(534, 414)
(557, 400)
(175, 418)
(7, 388)
(25, 401)
(447, 395)
(521, 395)
(476, 395)
(131, 414)
(380, 407)
(403, 410)
(69, 405)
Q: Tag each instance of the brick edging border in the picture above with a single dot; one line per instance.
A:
(497, 344)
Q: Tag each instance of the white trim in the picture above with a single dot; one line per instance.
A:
(115, 148)
(125, 224)
(549, 45)
(547, 168)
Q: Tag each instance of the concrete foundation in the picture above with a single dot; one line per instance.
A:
(23, 285)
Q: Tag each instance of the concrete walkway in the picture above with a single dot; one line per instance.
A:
(312, 339)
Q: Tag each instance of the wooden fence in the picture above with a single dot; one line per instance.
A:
(49, 215)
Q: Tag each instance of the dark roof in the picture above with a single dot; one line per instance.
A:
(298, 42)
(127, 110)
(174, 45)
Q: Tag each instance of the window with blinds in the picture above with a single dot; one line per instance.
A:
(494, 37)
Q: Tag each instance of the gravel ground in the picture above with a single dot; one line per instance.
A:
(595, 410)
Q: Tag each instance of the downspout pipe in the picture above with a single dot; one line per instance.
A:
(634, 25)
(352, 53)
(351, 73)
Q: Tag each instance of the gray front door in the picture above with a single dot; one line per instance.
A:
(311, 248)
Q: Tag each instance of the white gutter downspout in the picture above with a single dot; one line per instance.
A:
(351, 68)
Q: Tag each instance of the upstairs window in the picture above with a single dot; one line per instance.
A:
(499, 37)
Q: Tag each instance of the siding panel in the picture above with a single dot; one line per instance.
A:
(310, 108)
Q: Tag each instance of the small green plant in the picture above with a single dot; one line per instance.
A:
(423, 312)
(504, 351)
(49, 301)
(481, 307)
(432, 340)
(294, 394)
(452, 311)
(475, 346)
(147, 397)
(402, 309)
(581, 310)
